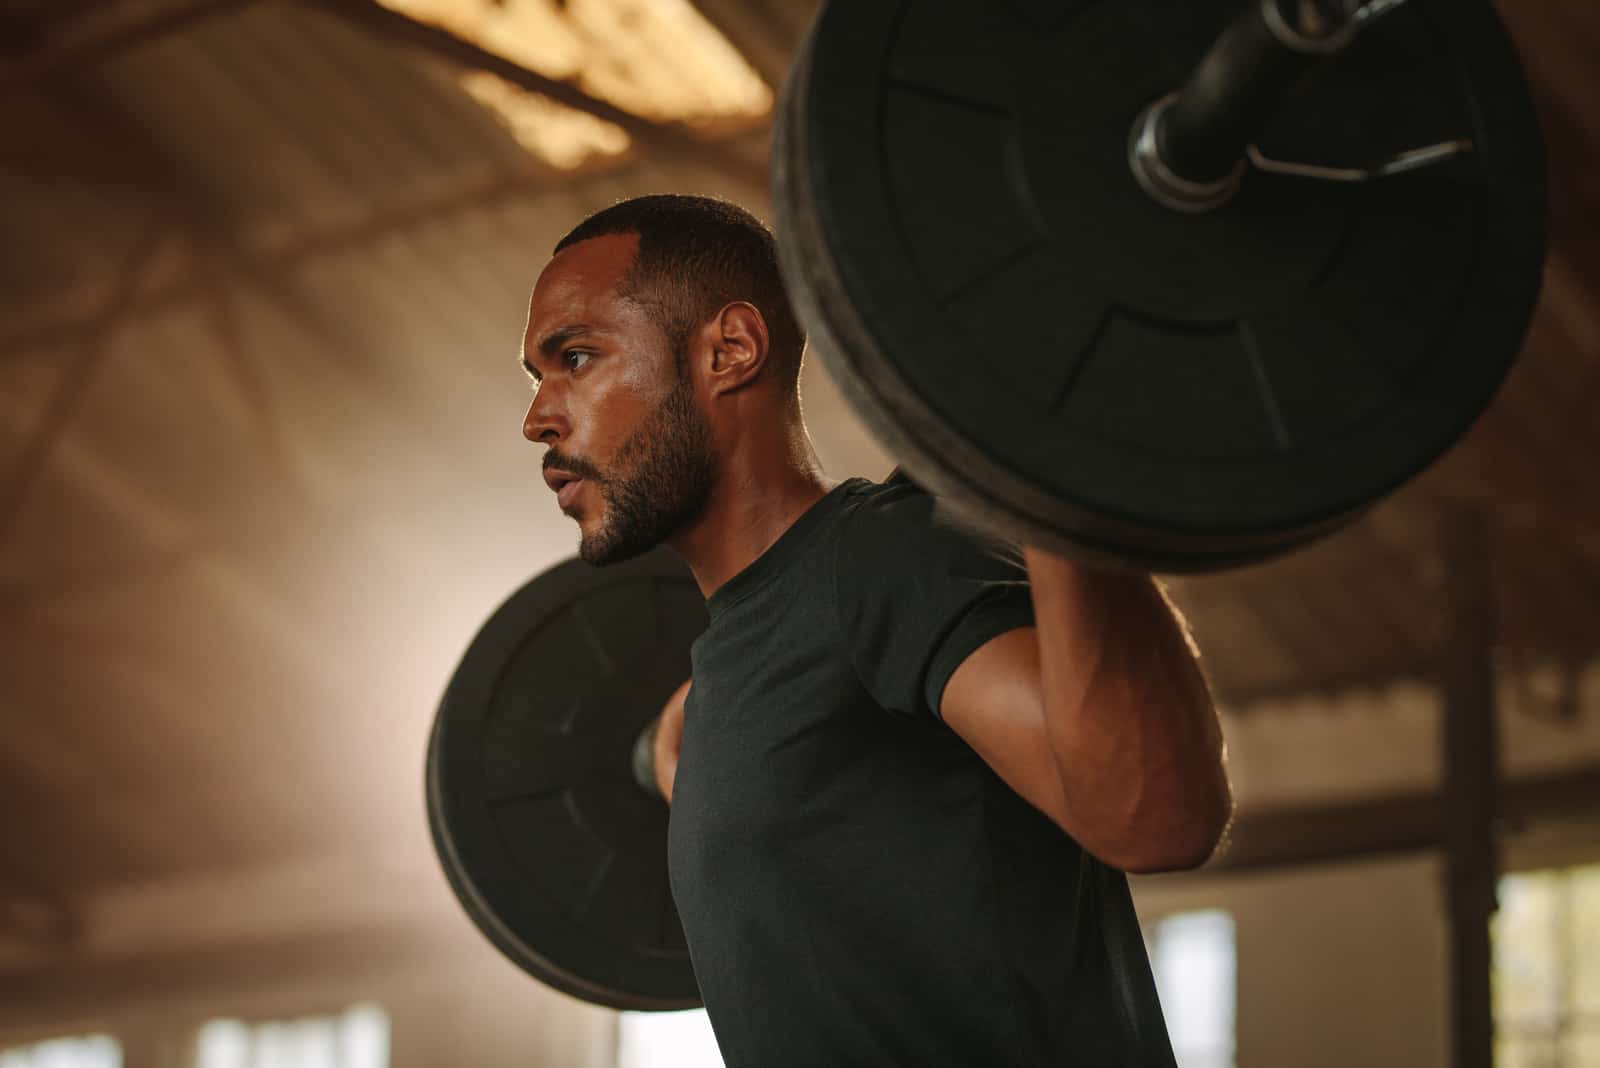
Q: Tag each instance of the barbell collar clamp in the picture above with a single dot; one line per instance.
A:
(1167, 187)
(1188, 149)
(1311, 27)
(1406, 162)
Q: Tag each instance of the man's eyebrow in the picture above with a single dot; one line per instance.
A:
(550, 344)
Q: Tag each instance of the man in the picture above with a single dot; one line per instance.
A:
(904, 755)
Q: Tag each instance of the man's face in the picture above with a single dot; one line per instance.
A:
(629, 449)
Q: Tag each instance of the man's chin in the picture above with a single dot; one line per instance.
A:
(595, 548)
(600, 550)
(600, 554)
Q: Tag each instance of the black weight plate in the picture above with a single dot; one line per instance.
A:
(1036, 338)
(555, 852)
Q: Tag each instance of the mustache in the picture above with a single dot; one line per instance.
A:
(572, 465)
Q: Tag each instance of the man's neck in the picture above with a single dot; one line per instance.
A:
(759, 494)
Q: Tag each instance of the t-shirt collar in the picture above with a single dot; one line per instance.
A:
(756, 573)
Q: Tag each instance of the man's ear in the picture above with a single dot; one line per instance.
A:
(737, 339)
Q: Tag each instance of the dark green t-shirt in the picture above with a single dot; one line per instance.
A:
(857, 886)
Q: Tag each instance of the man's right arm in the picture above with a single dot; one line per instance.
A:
(668, 740)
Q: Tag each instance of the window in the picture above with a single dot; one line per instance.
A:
(358, 1038)
(1192, 955)
(88, 1051)
(1546, 977)
(667, 1040)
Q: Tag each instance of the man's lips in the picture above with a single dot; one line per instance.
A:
(564, 483)
(568, 492)
(555, 478)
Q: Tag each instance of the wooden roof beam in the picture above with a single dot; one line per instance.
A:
(1292, 835)
(112, 30)
(749, 28)
(673, 140)
(26, 469)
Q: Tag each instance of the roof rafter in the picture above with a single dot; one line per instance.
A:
(121, 32)
(1319, 833)
(25, 471)
(671, 139)
(749, 27)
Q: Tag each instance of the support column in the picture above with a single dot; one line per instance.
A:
(1471, 773)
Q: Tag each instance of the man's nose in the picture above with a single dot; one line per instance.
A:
(544, 423)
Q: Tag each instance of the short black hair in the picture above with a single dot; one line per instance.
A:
(697, 254)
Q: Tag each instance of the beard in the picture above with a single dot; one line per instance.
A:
(661, 480)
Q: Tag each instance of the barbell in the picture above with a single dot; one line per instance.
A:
(1167, 285)
(1125, 279)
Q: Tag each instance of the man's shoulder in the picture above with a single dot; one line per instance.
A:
(896, 499)
(900, 507)
(900, 521)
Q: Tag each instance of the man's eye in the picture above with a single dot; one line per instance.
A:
(576, 358)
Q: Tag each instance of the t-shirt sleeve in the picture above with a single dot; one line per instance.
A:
(918, 592)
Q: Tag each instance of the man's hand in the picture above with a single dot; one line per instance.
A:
(669, 739)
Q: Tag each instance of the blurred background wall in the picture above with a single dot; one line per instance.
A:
(264, 276)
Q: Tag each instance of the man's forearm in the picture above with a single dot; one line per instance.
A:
(1130, 720)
